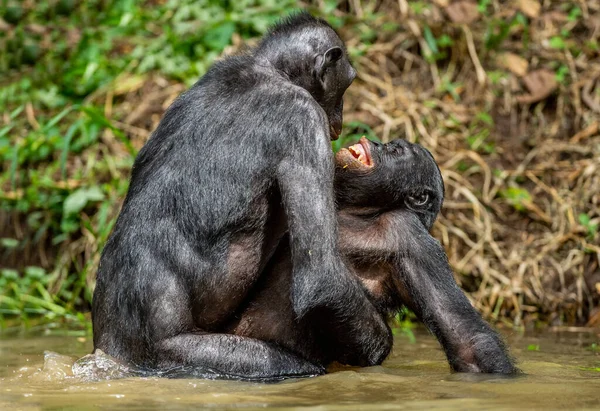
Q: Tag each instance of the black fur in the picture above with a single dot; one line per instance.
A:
(385, 211)
(238, 160)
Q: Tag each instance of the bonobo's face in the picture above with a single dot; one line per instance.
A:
(335, 77)
(314, 57)
(373, 178)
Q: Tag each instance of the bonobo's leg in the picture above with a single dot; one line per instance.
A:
(230, 356)
(269, 316)
(471, 345)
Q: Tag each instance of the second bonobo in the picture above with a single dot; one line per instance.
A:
(388, 196)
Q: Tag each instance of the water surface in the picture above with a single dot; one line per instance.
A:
(562, 372)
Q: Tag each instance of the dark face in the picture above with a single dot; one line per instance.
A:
(376, 178)
(334, 74)
(312, 56)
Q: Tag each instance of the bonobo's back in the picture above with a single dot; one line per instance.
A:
(239, 158)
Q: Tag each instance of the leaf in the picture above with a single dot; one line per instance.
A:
(35, 273)
(9, 274)
(558, 43)
(430, 39)
(97, 117)
(516, 197)
(485, 118)
(540, 83)
(463, 12)
(56, 119)
(531, 8)
(219, 36)
(561, 73)
(9, 242)
(514, 63)
(584, 219)
(77, 200)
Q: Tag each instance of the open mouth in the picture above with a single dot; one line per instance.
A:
(361, 151)
(357, 155)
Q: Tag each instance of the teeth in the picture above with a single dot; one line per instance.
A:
(358, 153)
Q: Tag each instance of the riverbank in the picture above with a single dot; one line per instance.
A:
(507, 98)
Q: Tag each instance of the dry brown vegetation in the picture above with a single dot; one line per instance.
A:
(518, 145)
(506, 95)
(514, 220)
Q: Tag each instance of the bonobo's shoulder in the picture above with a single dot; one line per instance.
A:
(244, 74)
(239, 65)
(234, 72)
(290, 100)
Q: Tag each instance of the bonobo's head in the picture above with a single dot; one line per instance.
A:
(311, 55)
(376, 178)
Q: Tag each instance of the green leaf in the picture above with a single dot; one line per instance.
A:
(574, 14)
(485, 118)
(219, 36)
(77, 200)
(430, 39)
(516, 197)
(9, 274)
(445, 41)
(584, 219)
(9, 242)
(56, 119)
(557, 42)
(561, 73)
(35, 273)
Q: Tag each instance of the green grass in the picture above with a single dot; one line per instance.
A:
(65, 161)
(59, 178)
(68, 68)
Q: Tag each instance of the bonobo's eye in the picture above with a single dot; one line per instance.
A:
(420, 200)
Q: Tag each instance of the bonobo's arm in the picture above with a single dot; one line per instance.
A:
(471, 345)
(322, 287)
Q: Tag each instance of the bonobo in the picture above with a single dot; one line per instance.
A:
(238, 160)
(388, 197)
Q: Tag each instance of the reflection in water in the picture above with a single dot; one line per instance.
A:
(562, 374)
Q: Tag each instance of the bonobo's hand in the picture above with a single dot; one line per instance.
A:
(481, 352)
(347, 319)
(471, 345)
(318, 286)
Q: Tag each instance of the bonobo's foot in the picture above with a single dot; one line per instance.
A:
(224, 356)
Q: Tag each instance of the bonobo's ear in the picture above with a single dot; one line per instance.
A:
(326, 60)
(332, 55)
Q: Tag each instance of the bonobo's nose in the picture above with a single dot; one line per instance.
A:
(399, 143)
(400, 147)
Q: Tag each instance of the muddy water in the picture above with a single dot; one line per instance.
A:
(562, 372)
